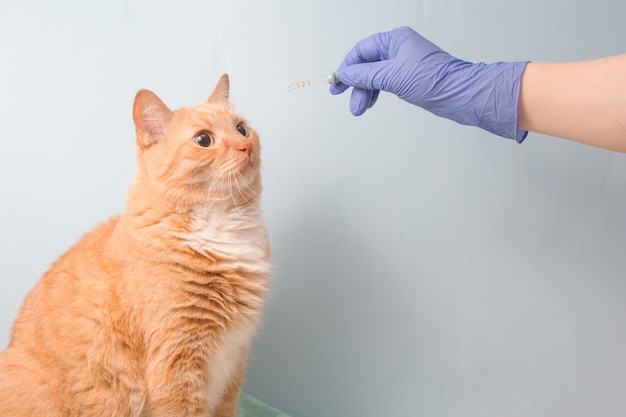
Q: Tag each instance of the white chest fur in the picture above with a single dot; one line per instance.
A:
(229, 356)
(236, 235)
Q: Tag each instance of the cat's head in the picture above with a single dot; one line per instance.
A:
(204, 154)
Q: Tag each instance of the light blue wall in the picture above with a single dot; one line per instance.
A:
(422, 268)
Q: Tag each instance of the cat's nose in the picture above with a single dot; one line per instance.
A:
(246, 147)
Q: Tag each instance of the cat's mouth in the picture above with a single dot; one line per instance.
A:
(247, 163)
(244, 173)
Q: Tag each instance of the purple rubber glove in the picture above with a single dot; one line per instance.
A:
(406, 64)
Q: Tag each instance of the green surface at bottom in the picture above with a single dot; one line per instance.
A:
(251, 407)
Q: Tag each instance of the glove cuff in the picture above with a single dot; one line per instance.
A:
(482, 95)
(497, 98)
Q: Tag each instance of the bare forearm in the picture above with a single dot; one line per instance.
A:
(581, 101)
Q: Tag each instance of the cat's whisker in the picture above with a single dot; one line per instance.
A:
(237, 188)
(216, 179)
(246, 193)
(230, 191)
(233, 179)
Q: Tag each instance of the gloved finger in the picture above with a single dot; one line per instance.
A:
(371, 49)
(361, 100)
(338, 88)
(373, 98)
(369, 76)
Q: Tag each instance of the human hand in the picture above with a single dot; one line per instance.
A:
(406, 64)
(401, 62)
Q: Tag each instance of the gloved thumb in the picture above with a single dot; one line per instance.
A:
(367, 76)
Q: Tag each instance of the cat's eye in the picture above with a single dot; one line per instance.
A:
(203, 139)
(242, 129)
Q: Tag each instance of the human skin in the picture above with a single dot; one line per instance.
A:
(581, 101)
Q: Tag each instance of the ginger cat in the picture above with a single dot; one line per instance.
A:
(152, 313)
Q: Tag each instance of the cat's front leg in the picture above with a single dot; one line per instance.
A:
(227, 407)
(178, 384)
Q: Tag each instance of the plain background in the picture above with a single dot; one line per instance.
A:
(422, 268)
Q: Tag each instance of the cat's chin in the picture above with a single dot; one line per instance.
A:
(246, 182)
(241, 186)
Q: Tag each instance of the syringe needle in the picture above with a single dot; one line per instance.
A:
(330, 79)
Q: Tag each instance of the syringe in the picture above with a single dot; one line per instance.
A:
(331, 79)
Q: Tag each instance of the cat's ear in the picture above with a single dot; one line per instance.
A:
(220, 92)
(151, 117)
